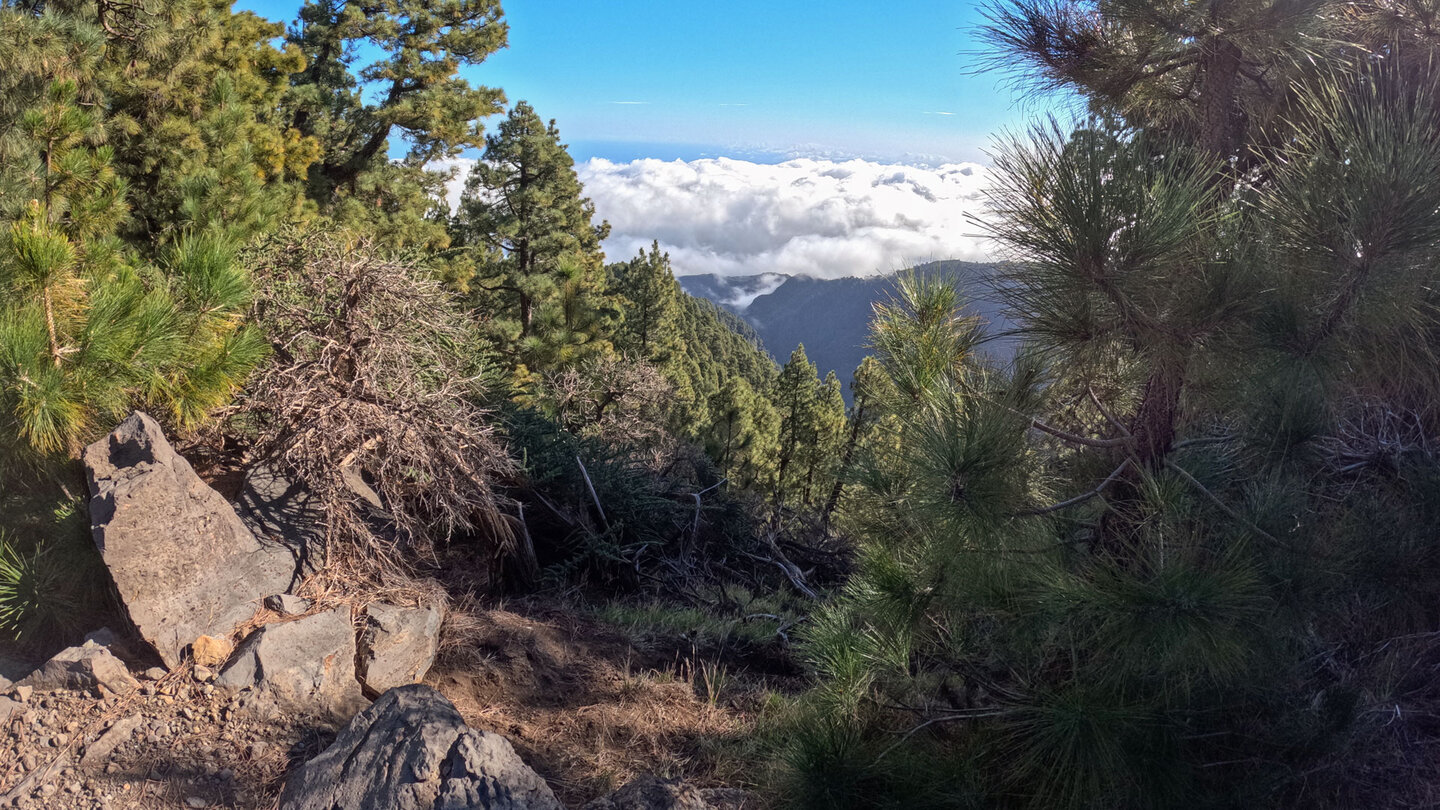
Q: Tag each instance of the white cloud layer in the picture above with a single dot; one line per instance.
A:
(821, 218)
(813, 217)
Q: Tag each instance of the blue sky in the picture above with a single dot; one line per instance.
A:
(760, 80)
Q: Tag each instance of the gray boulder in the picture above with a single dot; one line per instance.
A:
(183, 562)
(283, 511)
(397, 645)
(305, 666)
(86, 668)
(411, 750)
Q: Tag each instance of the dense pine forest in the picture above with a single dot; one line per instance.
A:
(1175, 547)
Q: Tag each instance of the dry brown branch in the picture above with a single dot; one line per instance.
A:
(1374, 433)
(370, 403)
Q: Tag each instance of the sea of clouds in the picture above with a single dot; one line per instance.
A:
(823, 218)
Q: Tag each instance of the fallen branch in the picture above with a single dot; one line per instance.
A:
(596, 498)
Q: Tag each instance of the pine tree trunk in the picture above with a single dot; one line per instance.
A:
(1154, 425)
(1219, 119)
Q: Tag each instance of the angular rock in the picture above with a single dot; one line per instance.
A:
(411, 750)
(653, 793)
(8, 707)
(287, 604)
(98, 753)
(397, 645)
(86, 668)
(306, 666)
(183, 562)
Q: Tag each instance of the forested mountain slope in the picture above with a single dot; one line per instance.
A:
(831, 317)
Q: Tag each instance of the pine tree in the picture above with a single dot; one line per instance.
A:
(412, 87)
(542, 270)
(743, 435)
(1106, 614)
(195, 109)
(84, 333)
(650, 296)
(870, 389)
(1211, 73)
(795, 399)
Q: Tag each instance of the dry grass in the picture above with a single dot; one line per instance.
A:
(585, 708)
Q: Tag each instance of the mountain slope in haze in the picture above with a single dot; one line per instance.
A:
(831, 317)
(734, 293)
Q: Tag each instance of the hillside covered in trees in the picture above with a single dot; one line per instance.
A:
(1174, 546)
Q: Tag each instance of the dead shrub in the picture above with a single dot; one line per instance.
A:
(371, 403)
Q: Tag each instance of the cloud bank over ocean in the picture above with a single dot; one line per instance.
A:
(814, 217)
(823, 218)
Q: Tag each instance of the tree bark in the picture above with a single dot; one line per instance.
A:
(1154, 424)
(1219, 118)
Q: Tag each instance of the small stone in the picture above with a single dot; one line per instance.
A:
(22, 693)
(196, 801)
(287, 604)
(209, 651)
(154, 673)
(204, 674)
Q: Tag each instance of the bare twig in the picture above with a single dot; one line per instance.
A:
(1122, 441)
(1105, 412)
(1081, 498)
(949, 718)
(1224, 507)
(593, 496)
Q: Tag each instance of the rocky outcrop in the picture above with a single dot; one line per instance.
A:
(411, 750)
(305, 666)
(397, 645)
(86, 668)
(183, 562)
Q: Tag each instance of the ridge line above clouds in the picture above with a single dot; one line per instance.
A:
(805, 216)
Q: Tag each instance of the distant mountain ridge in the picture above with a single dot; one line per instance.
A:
(831, 317)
